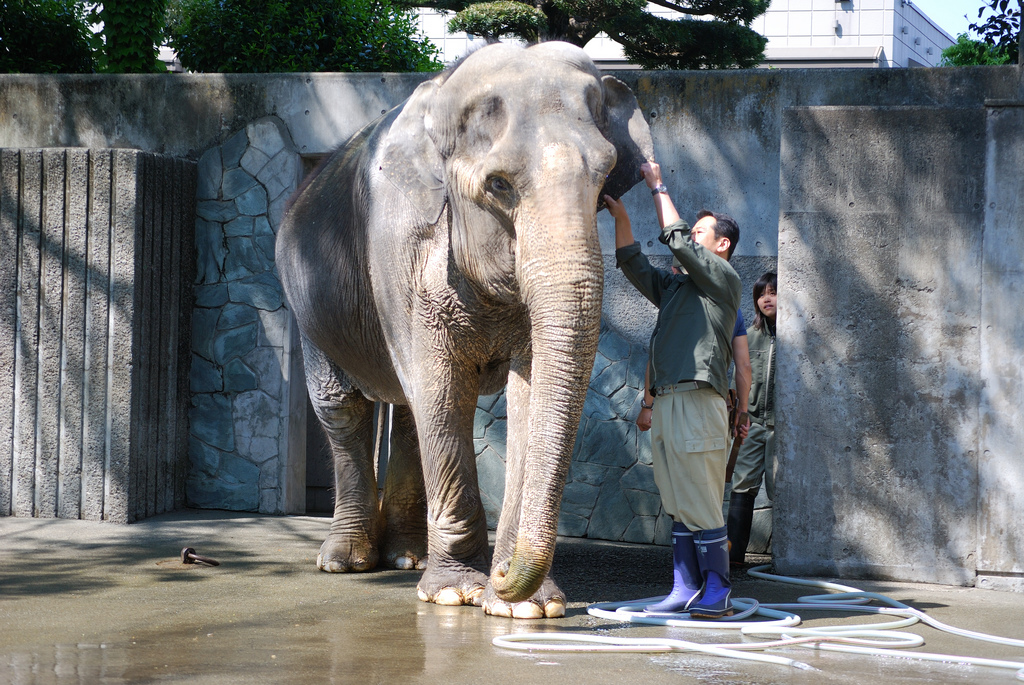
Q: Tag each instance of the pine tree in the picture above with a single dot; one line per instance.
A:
(710, 34)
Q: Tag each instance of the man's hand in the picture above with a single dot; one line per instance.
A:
(623, 228)
(643, 419)
(741, 426)
(615, 207)
(651, 171)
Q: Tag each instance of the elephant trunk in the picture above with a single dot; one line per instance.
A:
(561, 274)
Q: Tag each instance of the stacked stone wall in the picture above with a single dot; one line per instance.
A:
(242, 334)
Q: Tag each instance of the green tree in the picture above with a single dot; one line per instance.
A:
(297, 35)
(45, 37)
(710, 34)
(1002, 27)
(132, 31)
(967, 52)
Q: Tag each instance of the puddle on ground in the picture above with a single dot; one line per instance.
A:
(445, 645)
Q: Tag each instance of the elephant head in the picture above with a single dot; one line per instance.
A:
(513, 150)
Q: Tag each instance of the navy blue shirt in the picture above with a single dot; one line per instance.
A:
(741, 328)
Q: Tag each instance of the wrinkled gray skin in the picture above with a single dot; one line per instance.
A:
(448, 249)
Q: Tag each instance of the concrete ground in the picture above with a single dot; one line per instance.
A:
(85, 602)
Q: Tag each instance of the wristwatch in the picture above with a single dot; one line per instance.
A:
(644, 404)
(660, 188)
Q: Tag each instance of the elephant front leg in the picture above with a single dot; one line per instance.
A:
(347, 419)
(549, 600)
(457, 544)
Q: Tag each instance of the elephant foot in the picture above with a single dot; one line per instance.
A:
(405, 561)
(342, 554)
(547, 602)
(405, 552)
(452, 586)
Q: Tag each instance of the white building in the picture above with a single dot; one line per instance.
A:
(851, 33)
(801, 33)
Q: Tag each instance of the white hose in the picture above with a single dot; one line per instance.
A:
(874, 639)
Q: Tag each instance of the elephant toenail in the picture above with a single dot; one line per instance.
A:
(500, 609)
(449, 597)
(554, 609)
(527, 610)
(475, 596)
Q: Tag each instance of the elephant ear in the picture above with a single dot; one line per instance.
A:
(411, 161)
(626, 129)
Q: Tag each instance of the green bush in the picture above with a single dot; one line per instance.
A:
(297, 35)
(45, 37)
(966, 52)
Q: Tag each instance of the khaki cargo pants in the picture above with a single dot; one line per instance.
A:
(689, 445)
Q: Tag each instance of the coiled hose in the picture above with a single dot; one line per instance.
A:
(780, 620)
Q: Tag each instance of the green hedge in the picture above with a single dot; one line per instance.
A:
(297, 35)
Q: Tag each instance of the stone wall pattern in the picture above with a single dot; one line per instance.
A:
(242, 333)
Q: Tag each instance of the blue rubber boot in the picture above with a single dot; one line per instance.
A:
(686, 578)
(712, 547)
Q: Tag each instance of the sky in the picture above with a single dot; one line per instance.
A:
(949, 14)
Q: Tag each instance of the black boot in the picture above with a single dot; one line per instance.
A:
(741, 515)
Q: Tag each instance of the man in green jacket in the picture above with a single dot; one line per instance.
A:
(691, 349)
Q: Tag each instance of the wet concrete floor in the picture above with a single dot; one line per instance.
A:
(85, 602)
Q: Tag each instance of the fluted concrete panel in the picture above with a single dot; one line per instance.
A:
(50, 312)
(91, 274)
(97, 315)
(9, 196)
(26, 361)
(73, 335)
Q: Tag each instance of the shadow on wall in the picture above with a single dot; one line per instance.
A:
(715, 141)
(880, 293)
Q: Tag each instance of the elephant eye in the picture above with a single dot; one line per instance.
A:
(498, 185)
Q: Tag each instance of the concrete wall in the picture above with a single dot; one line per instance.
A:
(93, 287)
(719, 139)
(1000, 561)
(880, 245)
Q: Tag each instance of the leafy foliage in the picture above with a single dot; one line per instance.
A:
(966, 52)
(1002, 28)
(712, 33)
(45, 37)
(656, 43)
(132, 31)
(297, 35)
(502, 18)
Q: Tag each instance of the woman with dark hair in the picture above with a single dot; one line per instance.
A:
(757, 451)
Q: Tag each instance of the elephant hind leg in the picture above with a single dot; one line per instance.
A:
(347, 419)
(405, 499)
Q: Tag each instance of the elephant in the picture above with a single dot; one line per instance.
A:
(448, 249)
